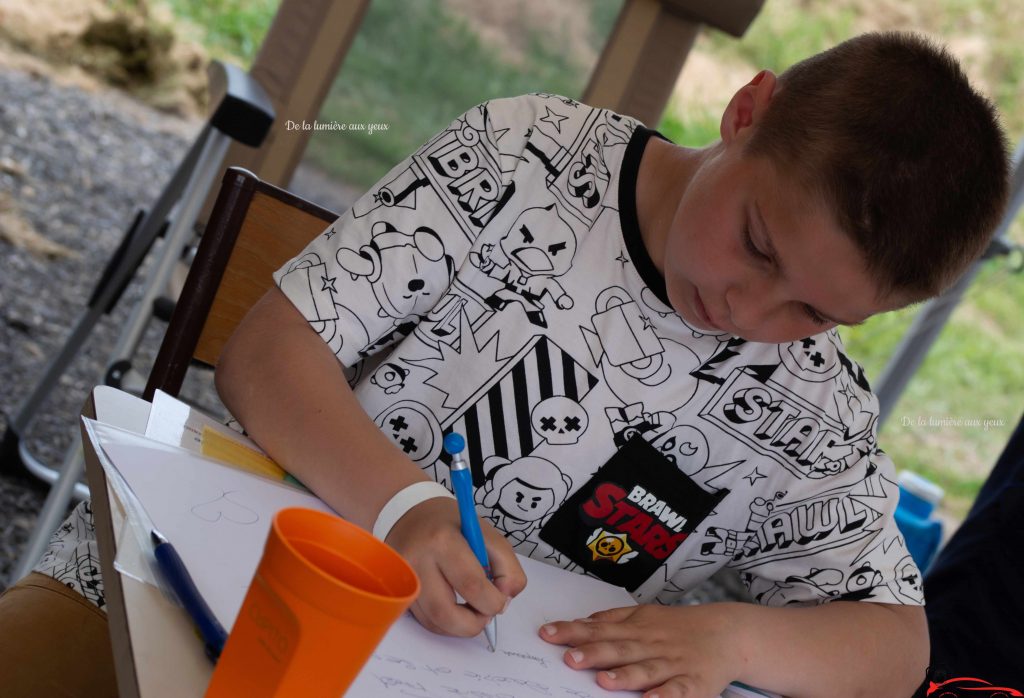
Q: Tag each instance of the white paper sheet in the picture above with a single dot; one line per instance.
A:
(218, 519)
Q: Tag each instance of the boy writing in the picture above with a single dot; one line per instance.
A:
(638, 341)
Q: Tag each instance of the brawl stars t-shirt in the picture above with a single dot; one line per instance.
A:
(495, 284)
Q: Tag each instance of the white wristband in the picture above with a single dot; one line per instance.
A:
(404, 500)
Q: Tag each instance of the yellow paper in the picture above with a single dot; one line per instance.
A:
(219, 447)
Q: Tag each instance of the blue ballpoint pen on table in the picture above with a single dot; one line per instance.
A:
(172, 576)
(176, 575)
(462, 483)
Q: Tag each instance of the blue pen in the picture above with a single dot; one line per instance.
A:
(174, 571)
(462, 483)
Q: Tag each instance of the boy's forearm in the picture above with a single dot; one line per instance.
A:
(285, 386)
(844, 649)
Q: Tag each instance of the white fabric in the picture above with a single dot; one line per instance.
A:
(73, 557)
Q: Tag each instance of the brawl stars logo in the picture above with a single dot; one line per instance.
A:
(610, 546)
(648, 521)
(625, 522)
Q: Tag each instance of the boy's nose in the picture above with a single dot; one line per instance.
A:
(751, 307)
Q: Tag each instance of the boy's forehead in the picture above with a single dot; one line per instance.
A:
(816, 256)
(794, 190)
(800, 194)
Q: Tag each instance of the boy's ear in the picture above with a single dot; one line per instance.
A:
(748, 105)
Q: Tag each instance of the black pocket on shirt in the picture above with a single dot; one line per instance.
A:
(630, 517)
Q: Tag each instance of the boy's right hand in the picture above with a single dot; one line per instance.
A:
(429, 538)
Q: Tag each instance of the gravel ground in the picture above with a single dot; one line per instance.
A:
(77, 165)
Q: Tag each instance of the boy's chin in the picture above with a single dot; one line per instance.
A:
(701, 328)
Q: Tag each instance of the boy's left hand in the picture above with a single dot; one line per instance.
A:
(668, 651)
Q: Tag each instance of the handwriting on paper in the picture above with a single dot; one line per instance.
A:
(433, 680)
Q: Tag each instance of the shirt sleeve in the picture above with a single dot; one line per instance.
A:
(869, 563)
(830, 534)
(368, 279)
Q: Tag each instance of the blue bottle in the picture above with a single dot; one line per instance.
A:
(915, 517)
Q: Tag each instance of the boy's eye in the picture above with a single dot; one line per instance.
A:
(814, 316)
(748, 242)
(556, 248)
(527, 237)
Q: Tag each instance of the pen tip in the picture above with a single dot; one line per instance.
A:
(491, 633)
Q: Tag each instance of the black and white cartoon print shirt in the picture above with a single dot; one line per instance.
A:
(495, 284)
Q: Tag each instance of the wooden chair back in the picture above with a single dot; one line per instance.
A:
(253, 229)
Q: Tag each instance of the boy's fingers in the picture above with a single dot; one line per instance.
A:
(613, 615)
(580, 632)
(423, 607)
(608, 655)
(468, 579)
(684, 687)
(658, 675)
(437, 611)
(601, 626)
(508, 574)
(429, 537)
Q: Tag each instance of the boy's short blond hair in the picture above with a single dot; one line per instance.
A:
(910, 158)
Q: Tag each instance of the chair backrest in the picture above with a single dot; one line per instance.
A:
(253, 229)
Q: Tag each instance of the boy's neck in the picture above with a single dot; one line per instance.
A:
(665, 172)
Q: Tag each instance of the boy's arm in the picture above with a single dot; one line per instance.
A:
(839, 649)
(844, 649)
(285, 386)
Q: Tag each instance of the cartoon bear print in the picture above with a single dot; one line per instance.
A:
(402, 269)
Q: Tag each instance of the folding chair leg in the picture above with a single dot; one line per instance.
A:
(116, 277)
(244, 113)
(54, 509)
(178, 236)
(203, 166)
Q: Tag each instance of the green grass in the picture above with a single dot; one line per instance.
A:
(700, 128)
(227, 28)
(413, 66)
(603, 14)
(441, 70)
(786, 32)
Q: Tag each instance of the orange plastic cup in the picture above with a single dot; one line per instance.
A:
(323, 596)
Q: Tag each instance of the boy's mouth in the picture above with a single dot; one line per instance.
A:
(702, 312)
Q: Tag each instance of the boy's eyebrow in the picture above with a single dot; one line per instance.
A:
(770, 249)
